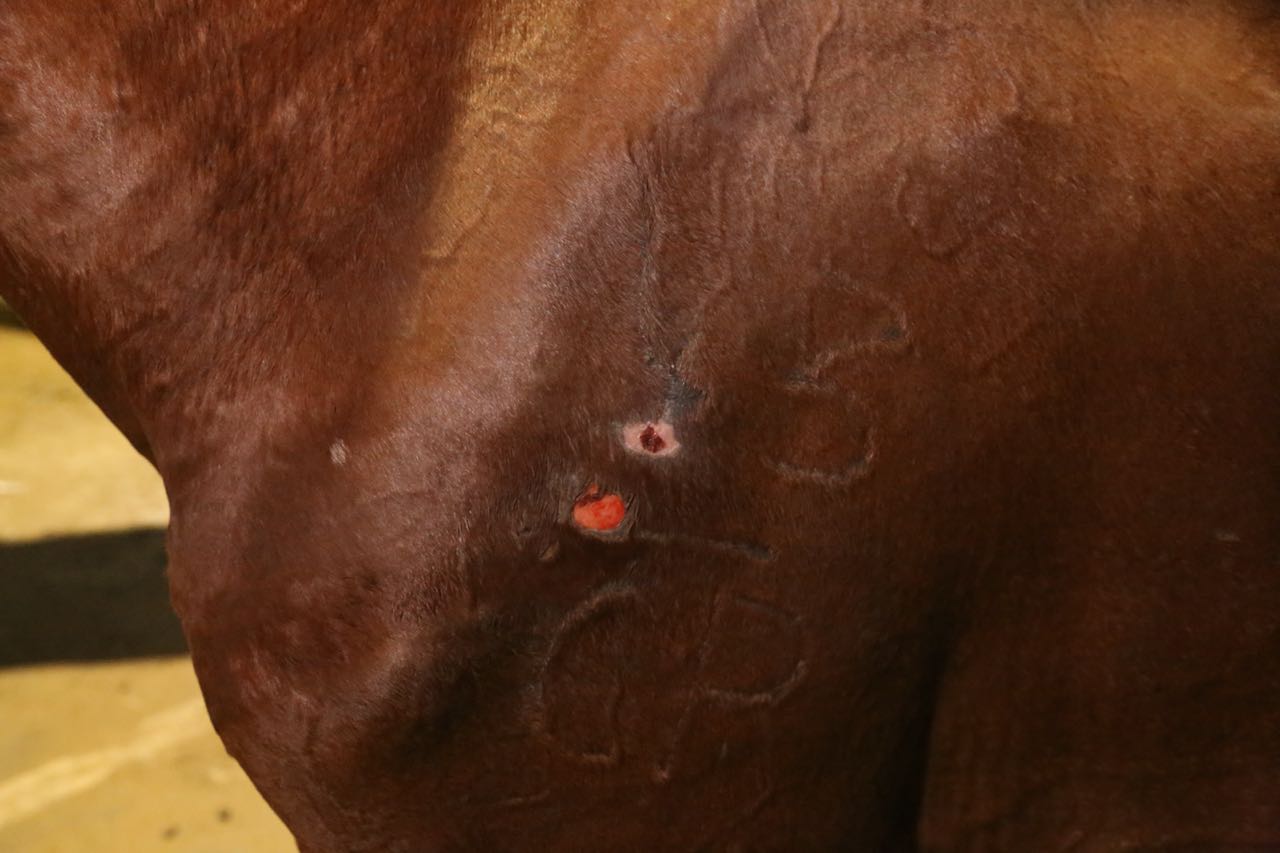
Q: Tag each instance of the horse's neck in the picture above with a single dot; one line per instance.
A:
(185, 199)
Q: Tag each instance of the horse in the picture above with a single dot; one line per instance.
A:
(689, 424)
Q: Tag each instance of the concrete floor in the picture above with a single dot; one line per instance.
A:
(104, 743)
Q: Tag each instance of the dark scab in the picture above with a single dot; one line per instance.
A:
(651, 441)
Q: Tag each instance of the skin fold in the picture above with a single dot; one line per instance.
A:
(688, 425)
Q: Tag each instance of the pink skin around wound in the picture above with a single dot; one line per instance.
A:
(650, 438)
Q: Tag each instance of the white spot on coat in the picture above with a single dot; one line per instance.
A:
(338, 452)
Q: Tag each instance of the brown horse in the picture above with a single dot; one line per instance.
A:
(690, 424)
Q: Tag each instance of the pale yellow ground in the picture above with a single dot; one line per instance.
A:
(104, 743)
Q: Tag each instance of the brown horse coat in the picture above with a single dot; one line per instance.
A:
(684, 424)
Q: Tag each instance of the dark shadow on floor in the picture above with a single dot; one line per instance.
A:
(86, 598)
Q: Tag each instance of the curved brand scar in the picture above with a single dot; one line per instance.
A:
(830, 441)
(575, 711)
(752, 655)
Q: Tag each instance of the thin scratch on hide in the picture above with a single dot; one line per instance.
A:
(523, 802)
(751, 550)
(448, 252)
(765, 42)
(718, 290)
(815, 60)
